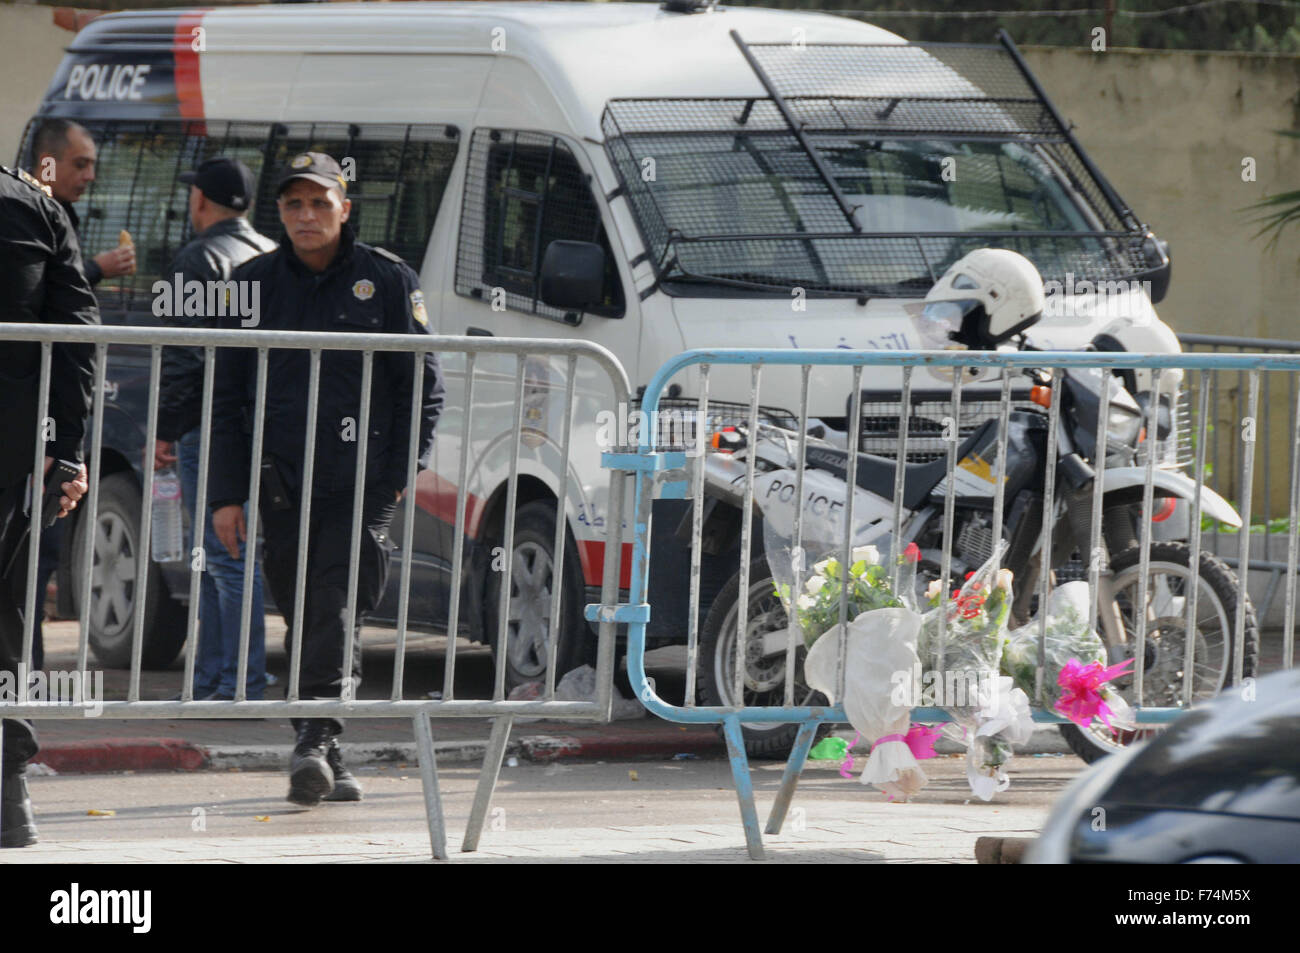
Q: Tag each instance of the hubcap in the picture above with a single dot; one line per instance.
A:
(112, 577)
(764, 679)
(1163, 670)
(529, 615)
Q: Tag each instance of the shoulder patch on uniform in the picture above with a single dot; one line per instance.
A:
(363, 290)
(417, 307)
(31, 180)
(391, 256)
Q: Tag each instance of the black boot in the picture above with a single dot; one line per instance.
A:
(310, 777)
(17, 825)
(346, 787)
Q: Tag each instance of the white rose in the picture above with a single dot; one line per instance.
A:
(868, 553)
(814, 584)
(932, 591)
(806, 602)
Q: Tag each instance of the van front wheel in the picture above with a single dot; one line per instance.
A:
(532, 588)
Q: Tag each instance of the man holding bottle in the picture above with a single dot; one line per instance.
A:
(221, 191)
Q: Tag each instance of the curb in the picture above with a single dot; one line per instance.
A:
(174, 754)
(125, 754)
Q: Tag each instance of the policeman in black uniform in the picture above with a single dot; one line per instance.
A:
(41, 281)
(64, 159)
(322, 279)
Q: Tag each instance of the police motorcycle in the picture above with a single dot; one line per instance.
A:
(986, 300)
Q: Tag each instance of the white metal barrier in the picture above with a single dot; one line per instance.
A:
(495, 366)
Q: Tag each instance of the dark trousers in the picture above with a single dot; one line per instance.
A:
(19, 735)
(325, 597)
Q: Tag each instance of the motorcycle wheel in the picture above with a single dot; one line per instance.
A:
(764, 678)
(1169, 575)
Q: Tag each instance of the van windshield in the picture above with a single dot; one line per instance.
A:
(868, 169)
(740, 212)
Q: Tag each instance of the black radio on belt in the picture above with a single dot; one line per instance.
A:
(275, 495)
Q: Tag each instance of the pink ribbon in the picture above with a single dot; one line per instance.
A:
(919, 740)
(1081, 699)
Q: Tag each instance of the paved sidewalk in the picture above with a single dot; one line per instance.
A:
(612, 812)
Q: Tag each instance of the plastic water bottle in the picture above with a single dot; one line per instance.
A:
(166, 519)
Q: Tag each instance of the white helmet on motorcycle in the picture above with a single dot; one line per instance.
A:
(984, 299)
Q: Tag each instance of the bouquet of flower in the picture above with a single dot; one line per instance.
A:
(877, 645)
(1075, 672)
(962, 636)
(869, 586)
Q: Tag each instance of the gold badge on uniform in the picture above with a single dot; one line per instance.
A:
(364, 289)
(31, 180)
(417, 308)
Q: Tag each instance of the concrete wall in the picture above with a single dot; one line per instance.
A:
(30, 49)
(1170, 130)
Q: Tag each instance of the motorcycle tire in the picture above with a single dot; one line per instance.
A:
(1216, 611)
(764, 678)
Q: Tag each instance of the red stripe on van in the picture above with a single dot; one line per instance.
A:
(437, 497)
(592, 553)
(189, 87)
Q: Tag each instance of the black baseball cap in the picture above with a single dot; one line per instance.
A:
(315, 167)
(226, 181)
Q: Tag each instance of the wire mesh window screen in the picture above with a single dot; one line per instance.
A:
(917, 87)
(939, 150)
(523, 191)
(882, 421)
(401, 173)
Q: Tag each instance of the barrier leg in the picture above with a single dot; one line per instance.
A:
(744, 786)
(790, 780)
(429, 779)
(487, 781)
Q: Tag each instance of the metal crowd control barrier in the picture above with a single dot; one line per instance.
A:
(1224, 464)
(654, 468)
(567, 353)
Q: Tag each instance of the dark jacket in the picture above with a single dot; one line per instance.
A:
(366, 290)
(94, 274)
(41, 282)
(211, 256)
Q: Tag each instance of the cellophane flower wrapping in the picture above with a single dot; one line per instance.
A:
(968, 649)
(810, 573)
(877, 645)
(1069, 637)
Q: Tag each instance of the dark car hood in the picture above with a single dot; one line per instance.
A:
(1233, 756)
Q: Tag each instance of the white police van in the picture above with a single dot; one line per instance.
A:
(753, 178)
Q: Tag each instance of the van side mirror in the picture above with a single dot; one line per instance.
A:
(573, 275)
(1156, 253)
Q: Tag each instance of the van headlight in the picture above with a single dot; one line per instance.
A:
(1076, 801)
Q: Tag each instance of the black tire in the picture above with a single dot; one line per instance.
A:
(1216, 613)
(113, 602)
(713, 672)
(534, 551)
